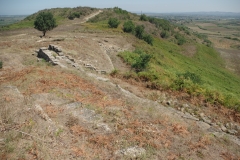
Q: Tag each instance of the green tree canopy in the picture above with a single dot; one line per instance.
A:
(45, 22)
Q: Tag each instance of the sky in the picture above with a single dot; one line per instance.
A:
(26, 7)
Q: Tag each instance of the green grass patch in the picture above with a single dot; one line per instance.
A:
(201, 75)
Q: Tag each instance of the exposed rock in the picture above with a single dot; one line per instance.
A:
(206, 120)
(203, 126)
(60, 53)
(182, 109)
(202, 115)
(237, 127)
(132, 152)
(104, 126)
(102, 79)
(41, 113)
(188, 116)
(168, 103)
(223, 128)
(232, 131)
(214, 129)
(70, 58)
(55, 48)
(74, 105)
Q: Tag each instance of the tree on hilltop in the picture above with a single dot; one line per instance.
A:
(45, 22)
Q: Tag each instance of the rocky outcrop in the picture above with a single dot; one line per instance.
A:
(48, 55)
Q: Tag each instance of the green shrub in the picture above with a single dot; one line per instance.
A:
(138, 59)
(114, 72)
(119, 10)
(148, 38)
(1, 64)
(113, 22)
(180, 39)
(191, 76)
(129, 27)
(74, 15)
(143, 17)
(165, 34)
(139, 31)
(141, 61)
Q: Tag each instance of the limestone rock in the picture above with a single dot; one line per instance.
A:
(132, 152)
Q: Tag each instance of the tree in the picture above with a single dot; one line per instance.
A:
(129, 27)
(113, 22)
(45, 22)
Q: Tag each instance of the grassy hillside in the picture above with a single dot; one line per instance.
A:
(162, 59)
(201, 75)
(59, 13)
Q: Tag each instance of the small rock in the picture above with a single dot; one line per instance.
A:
(227, 125)
(206, 120)
(185, 105)
(168, 103)
(237, 127)
(60, 53)
(202, 115)
(232, 131)
(223, 128)
(203, 126)
(132, 152)
(39, 59)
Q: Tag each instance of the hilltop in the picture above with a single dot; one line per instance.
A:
(114, 94)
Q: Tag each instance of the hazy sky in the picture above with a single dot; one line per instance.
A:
(21, 7)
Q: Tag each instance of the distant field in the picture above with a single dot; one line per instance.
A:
(6, 20)
(225, 36)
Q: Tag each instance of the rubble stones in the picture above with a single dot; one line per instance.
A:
(132, 152)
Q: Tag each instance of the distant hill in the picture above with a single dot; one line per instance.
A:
(59, 13)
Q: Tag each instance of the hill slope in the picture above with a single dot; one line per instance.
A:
(72, 111)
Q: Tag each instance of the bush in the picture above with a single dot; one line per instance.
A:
(165, 34)
(119, 10)
(191, 76)
(148, 38)
(139, 30)
(142, 61)
(180, 39)
(143, 17)
(137, 59)
(129, 27)
(74, 15)
(1, 64)
(113, 22)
